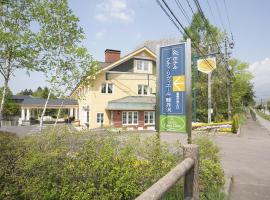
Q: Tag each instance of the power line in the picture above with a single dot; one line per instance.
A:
(211, 11)
(206, 22)
(228, 18)
(219, 14)
(182, 27)
(183, 10)
(169, 16)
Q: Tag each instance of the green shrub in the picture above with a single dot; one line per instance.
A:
(64, 164)
(235, 123)
(211, 173)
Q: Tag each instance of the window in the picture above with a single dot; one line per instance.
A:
(87, 117)
(100, 118)
(107, 88)
(142, 65)
(149, 117)
(142, 90)
(130, 118)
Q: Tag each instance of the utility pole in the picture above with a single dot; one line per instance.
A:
(209, 98)
(228, 78)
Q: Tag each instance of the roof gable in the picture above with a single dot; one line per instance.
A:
(144, 51)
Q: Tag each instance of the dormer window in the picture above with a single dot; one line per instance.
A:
(142, 65)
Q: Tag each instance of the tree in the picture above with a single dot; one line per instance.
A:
(17, 47)
(10, 107)
(209, 39)
(25, 92)
(62, 58)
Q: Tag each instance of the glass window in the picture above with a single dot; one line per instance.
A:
(129, 117)
(100, 117)
(149, 117)
(142, 90)
(135, 118)
(124, 117)
(107, 88)
(142, 65)
(110, 88)
(103, 88)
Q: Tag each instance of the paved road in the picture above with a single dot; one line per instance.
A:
(248, 158)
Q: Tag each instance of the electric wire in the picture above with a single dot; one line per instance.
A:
(183, 11)
(219, 14)
(211, 11)
(228, 18)
(183, 28)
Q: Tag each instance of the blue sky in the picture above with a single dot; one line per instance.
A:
(124, 24)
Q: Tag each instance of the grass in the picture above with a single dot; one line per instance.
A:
(265, 116)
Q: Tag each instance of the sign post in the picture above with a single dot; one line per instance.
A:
(174, 108)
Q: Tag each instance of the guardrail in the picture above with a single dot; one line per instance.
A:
(188, 168)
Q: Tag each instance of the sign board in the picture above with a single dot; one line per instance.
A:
(172, 88)
(206, 65)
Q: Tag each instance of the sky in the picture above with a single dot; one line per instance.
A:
(125, 24)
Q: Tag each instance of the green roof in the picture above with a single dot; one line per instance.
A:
(133, 103)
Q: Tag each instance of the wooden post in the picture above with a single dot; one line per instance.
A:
(191, 186)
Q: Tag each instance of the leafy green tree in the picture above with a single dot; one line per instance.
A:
(62, 58)
(10, 107)
(17, 46)
(25, 92)
(242, 89)
(209, 39)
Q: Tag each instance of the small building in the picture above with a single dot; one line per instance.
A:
(123, 93)
(31, 107)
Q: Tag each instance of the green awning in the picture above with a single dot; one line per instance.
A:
(133, 103)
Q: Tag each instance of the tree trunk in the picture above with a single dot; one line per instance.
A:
(58, 113)
(44, 110)
(3, 101)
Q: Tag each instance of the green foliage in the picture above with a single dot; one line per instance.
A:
(235, 123)
(10, 107)
(265, 116)
(208, 37)
(63, 164)
(67, 165)
(210, 169)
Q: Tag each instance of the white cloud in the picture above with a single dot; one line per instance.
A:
(100, 34)
(261, 80)
(114, 10)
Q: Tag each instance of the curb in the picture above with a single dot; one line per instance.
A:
(228, 186)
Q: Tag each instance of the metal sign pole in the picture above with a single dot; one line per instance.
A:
(157, 118)
(209, 98)
(188, 91)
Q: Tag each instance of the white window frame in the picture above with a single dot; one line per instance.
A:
(106, 88)
(132, 117)
(147, 113)
(99, 118)
(145, 67)
(142, 91)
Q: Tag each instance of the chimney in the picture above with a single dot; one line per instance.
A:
(112, 55)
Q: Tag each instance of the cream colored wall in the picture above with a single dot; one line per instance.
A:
(123, 85)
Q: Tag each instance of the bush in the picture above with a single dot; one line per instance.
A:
(210, 169)
(235, 123)
(63, 164)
